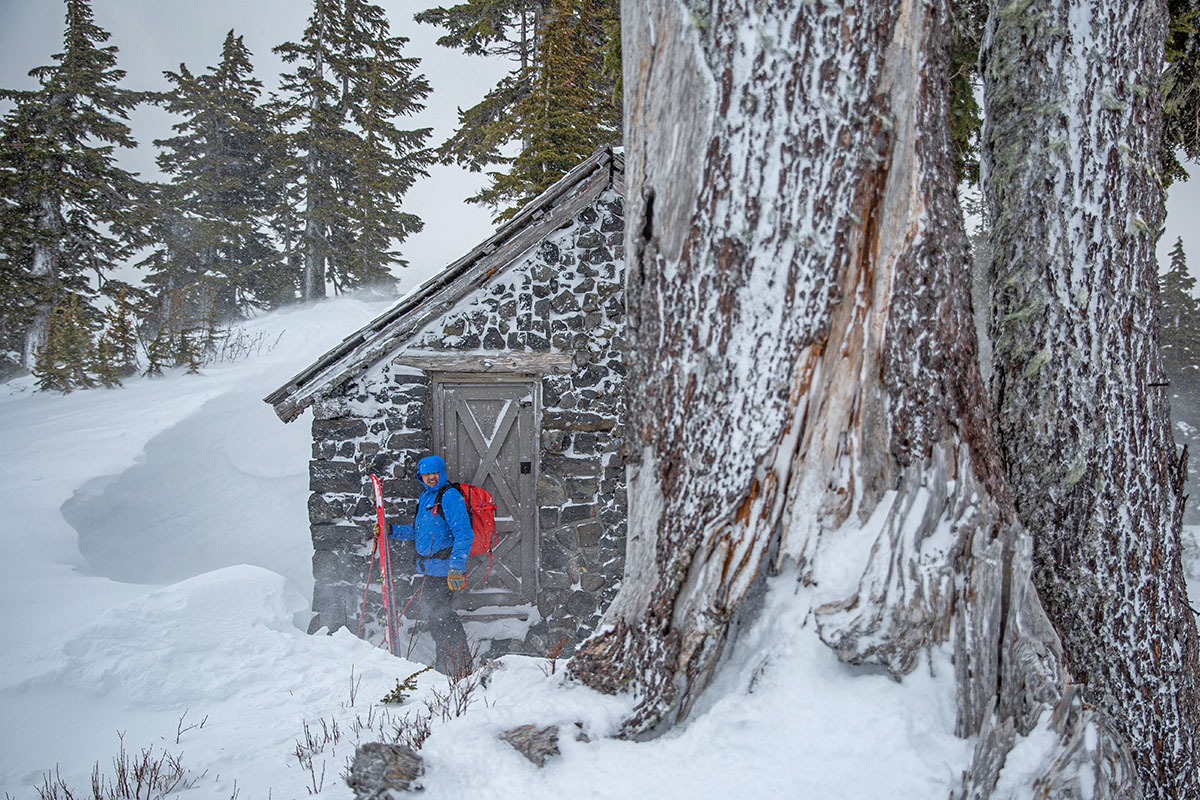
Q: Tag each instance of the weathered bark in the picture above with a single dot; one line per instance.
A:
(754, 139)
(798, 337)
(803, 358)
(1070, 144)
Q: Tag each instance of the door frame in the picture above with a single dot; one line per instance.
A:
(534, 381)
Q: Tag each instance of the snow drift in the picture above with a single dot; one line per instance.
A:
(155, 584)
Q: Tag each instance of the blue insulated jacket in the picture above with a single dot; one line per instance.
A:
(447, 534)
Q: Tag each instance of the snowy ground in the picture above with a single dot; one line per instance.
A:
(156, 586)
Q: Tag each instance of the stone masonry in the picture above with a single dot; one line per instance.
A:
(564, 296)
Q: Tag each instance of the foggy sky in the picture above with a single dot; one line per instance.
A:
(157, 35)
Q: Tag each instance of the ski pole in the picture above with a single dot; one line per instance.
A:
(362, 612)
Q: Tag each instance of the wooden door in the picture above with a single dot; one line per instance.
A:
(486, 433)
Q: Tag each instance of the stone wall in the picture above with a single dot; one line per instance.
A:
(565, 296)
(367, 429)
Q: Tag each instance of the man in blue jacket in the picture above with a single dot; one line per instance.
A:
(442, 535)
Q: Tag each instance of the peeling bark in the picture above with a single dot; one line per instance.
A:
(803, 374)
(746, 166)
(800, 330)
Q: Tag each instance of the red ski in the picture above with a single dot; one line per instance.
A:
(385, 565)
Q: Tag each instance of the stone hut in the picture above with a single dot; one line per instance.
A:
(508, 364)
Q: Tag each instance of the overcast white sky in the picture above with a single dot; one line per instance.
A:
(155, 35)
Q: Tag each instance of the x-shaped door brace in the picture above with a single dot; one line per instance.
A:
(489, 448)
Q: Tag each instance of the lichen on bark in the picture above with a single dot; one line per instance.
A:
(802, 356)
(1074, 204)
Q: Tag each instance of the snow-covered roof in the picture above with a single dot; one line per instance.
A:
(541, 216)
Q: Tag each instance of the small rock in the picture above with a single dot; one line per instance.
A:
(536, 744)
(380, 769)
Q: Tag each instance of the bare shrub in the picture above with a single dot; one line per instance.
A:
(180, 730)
(553, 653)
(236, 343)
(146, 775)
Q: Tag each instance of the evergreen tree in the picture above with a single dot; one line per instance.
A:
(105, 365)
(1179, 320)
(903, 407)
(158, 352)
(1181, 89)
(351, 163)
(168, 267)
(17, 289)
(558, 103)
(284, 281)
(568, 112)
(967, 19)
(63, 360)
(187, 353)
(1086, 443)
(1179, 316)
(211, 227)
(70, 211)
(170, 315)
(506, 28)
(117, 347)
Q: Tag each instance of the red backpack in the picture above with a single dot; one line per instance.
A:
(481, 509)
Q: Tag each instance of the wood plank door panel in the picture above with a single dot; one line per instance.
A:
(486, 434)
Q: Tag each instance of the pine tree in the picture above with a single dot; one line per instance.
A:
(158, 352)
(187, 352)
(117, 347)
(1179, 317)
(568, 112)
(104, 366)
(17, 289)
(388, 160)
(351, 163)
(1081, 406)
(170, 316)
(507, 28)
(211, 223)
(1181, 90)
(967, 19)
(284, 281)
(63, 360)
(1179, 321)
(71, 212)
(864, 399)
(558, 103)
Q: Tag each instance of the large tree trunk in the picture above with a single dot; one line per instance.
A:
(1075, 209)
(799, 323)
(803, 360)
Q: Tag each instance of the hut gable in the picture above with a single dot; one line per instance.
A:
(545, 214)
(512, 369)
